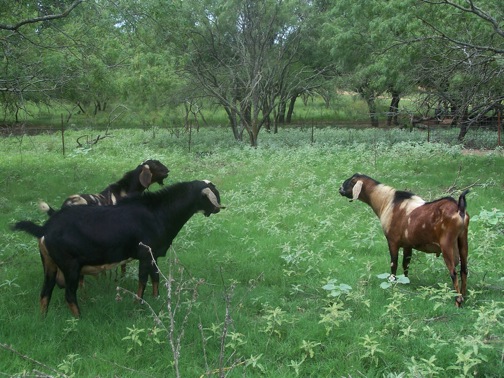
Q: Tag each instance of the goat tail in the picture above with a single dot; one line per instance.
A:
(29, 227)
(46, 208)
(462, 204)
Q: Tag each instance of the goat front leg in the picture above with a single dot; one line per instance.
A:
(144, 268)
(394, 256)
(154, 275)
(407, 251)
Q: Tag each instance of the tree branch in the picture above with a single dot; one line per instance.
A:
(472, 8)
(48, 17)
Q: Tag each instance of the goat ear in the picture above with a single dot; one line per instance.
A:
(145, 176)
(356, 190)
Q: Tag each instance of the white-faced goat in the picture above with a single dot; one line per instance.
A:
(410, 223)
(84, 239)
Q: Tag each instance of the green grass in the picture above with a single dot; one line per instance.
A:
(264, 260)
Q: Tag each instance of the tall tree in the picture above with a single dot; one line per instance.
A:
(245, 55)
(360, 35)
(28, 48)
(466, 37)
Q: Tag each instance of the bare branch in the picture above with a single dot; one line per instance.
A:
(471, 8)
(48, 17)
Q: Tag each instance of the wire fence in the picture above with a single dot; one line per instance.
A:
(481, 134)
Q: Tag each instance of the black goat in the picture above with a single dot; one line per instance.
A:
(133, 182)
(84, 239)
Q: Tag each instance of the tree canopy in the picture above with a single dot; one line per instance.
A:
(254, 58)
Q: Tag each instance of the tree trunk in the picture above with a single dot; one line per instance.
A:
(282, 106)
(372, 111)
(292, 102)
(461, 119)
(253, 133)
(233, 121)
(393, 109)
(266, 111)
(368, 95)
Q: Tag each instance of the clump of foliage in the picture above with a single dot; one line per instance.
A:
(285, 281)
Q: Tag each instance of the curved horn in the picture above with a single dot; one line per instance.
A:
(211, 196)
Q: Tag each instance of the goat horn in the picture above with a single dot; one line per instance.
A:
(211, 196)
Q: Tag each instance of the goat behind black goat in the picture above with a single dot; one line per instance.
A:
(77, 239)
(133, 182)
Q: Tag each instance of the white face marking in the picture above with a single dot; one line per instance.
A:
(423, 226)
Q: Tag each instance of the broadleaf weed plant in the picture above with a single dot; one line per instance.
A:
(491, 218)
(68, 365)
(334, 314)
(275, 320)
(336, 290)
(424, 367)
(440, 295)
(394, 319)
(372, 351)
(134, 336)
(285, 223)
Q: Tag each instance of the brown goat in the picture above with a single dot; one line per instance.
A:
(411, 223)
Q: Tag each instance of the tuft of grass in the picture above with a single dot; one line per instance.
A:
(287, 275)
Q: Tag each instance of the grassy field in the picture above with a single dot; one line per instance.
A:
(285, 282)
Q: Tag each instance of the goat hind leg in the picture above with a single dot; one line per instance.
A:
(449, 258)
(154, 275)
(394, 257)
(463, 252)
(50, 271)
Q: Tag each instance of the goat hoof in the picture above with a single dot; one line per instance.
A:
(459, 301)
(392, 278)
